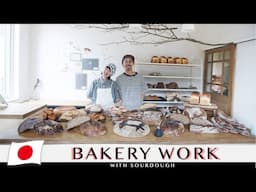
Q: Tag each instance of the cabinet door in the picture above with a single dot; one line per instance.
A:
(218, 76)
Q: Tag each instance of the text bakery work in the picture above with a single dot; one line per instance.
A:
(148, 153)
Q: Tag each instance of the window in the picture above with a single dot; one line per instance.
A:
(8, 68)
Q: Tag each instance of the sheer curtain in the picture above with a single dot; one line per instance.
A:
(7, 74)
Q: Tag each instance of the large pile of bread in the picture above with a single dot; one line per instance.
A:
(170, 60)
(196, 120)
(91, 121)
(51, 121)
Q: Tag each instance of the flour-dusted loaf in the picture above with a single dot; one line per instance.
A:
(199, 125)
(93, 128)
(152, 117)
(180, 117)
(195, 112)
(131, 128)
(172, 127)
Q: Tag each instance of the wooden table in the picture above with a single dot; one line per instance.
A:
(9, 133)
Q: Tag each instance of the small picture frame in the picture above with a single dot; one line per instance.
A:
(90, 64)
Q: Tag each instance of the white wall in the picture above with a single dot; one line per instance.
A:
(225, 33)
(49, 48)
(244, 86)
(244, 92)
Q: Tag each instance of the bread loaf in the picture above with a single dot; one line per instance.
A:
(160, 85)
(152, 97)
(163, 59)
(170, 60)
(205, 99)
(155, 59)
(172, 85)
(178, 60)
(184, 60)
(194, 98)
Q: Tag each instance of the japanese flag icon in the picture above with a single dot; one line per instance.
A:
(26, 152)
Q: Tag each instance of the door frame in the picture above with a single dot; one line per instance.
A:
(232, 48)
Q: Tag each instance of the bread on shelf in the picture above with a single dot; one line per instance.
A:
(184, 60)
(155, 59)
(170, 60)
(160, 85)
(163, 59)
(205, 99)
(177, 60)
(172, 85)
(151, 97)
(194, 98)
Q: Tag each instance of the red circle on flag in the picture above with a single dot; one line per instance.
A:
(25, 152)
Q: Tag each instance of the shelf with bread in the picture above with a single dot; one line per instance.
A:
(167, 64)
(168, 90)
(164, 102)
(171, 79)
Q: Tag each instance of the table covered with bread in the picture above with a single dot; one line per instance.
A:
(91, 124)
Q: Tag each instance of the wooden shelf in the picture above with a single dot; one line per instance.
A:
(164, 102)
(189, 90)
(171, 77)
(168, 64)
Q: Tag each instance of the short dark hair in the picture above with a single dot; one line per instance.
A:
(128, 56)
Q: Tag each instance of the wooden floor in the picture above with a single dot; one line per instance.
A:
(9, 133)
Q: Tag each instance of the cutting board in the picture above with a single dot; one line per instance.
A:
(20, 110)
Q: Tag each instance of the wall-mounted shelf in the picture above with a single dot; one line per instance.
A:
(170, 77)
(164, 102)
(156, 89)
(168, 64)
